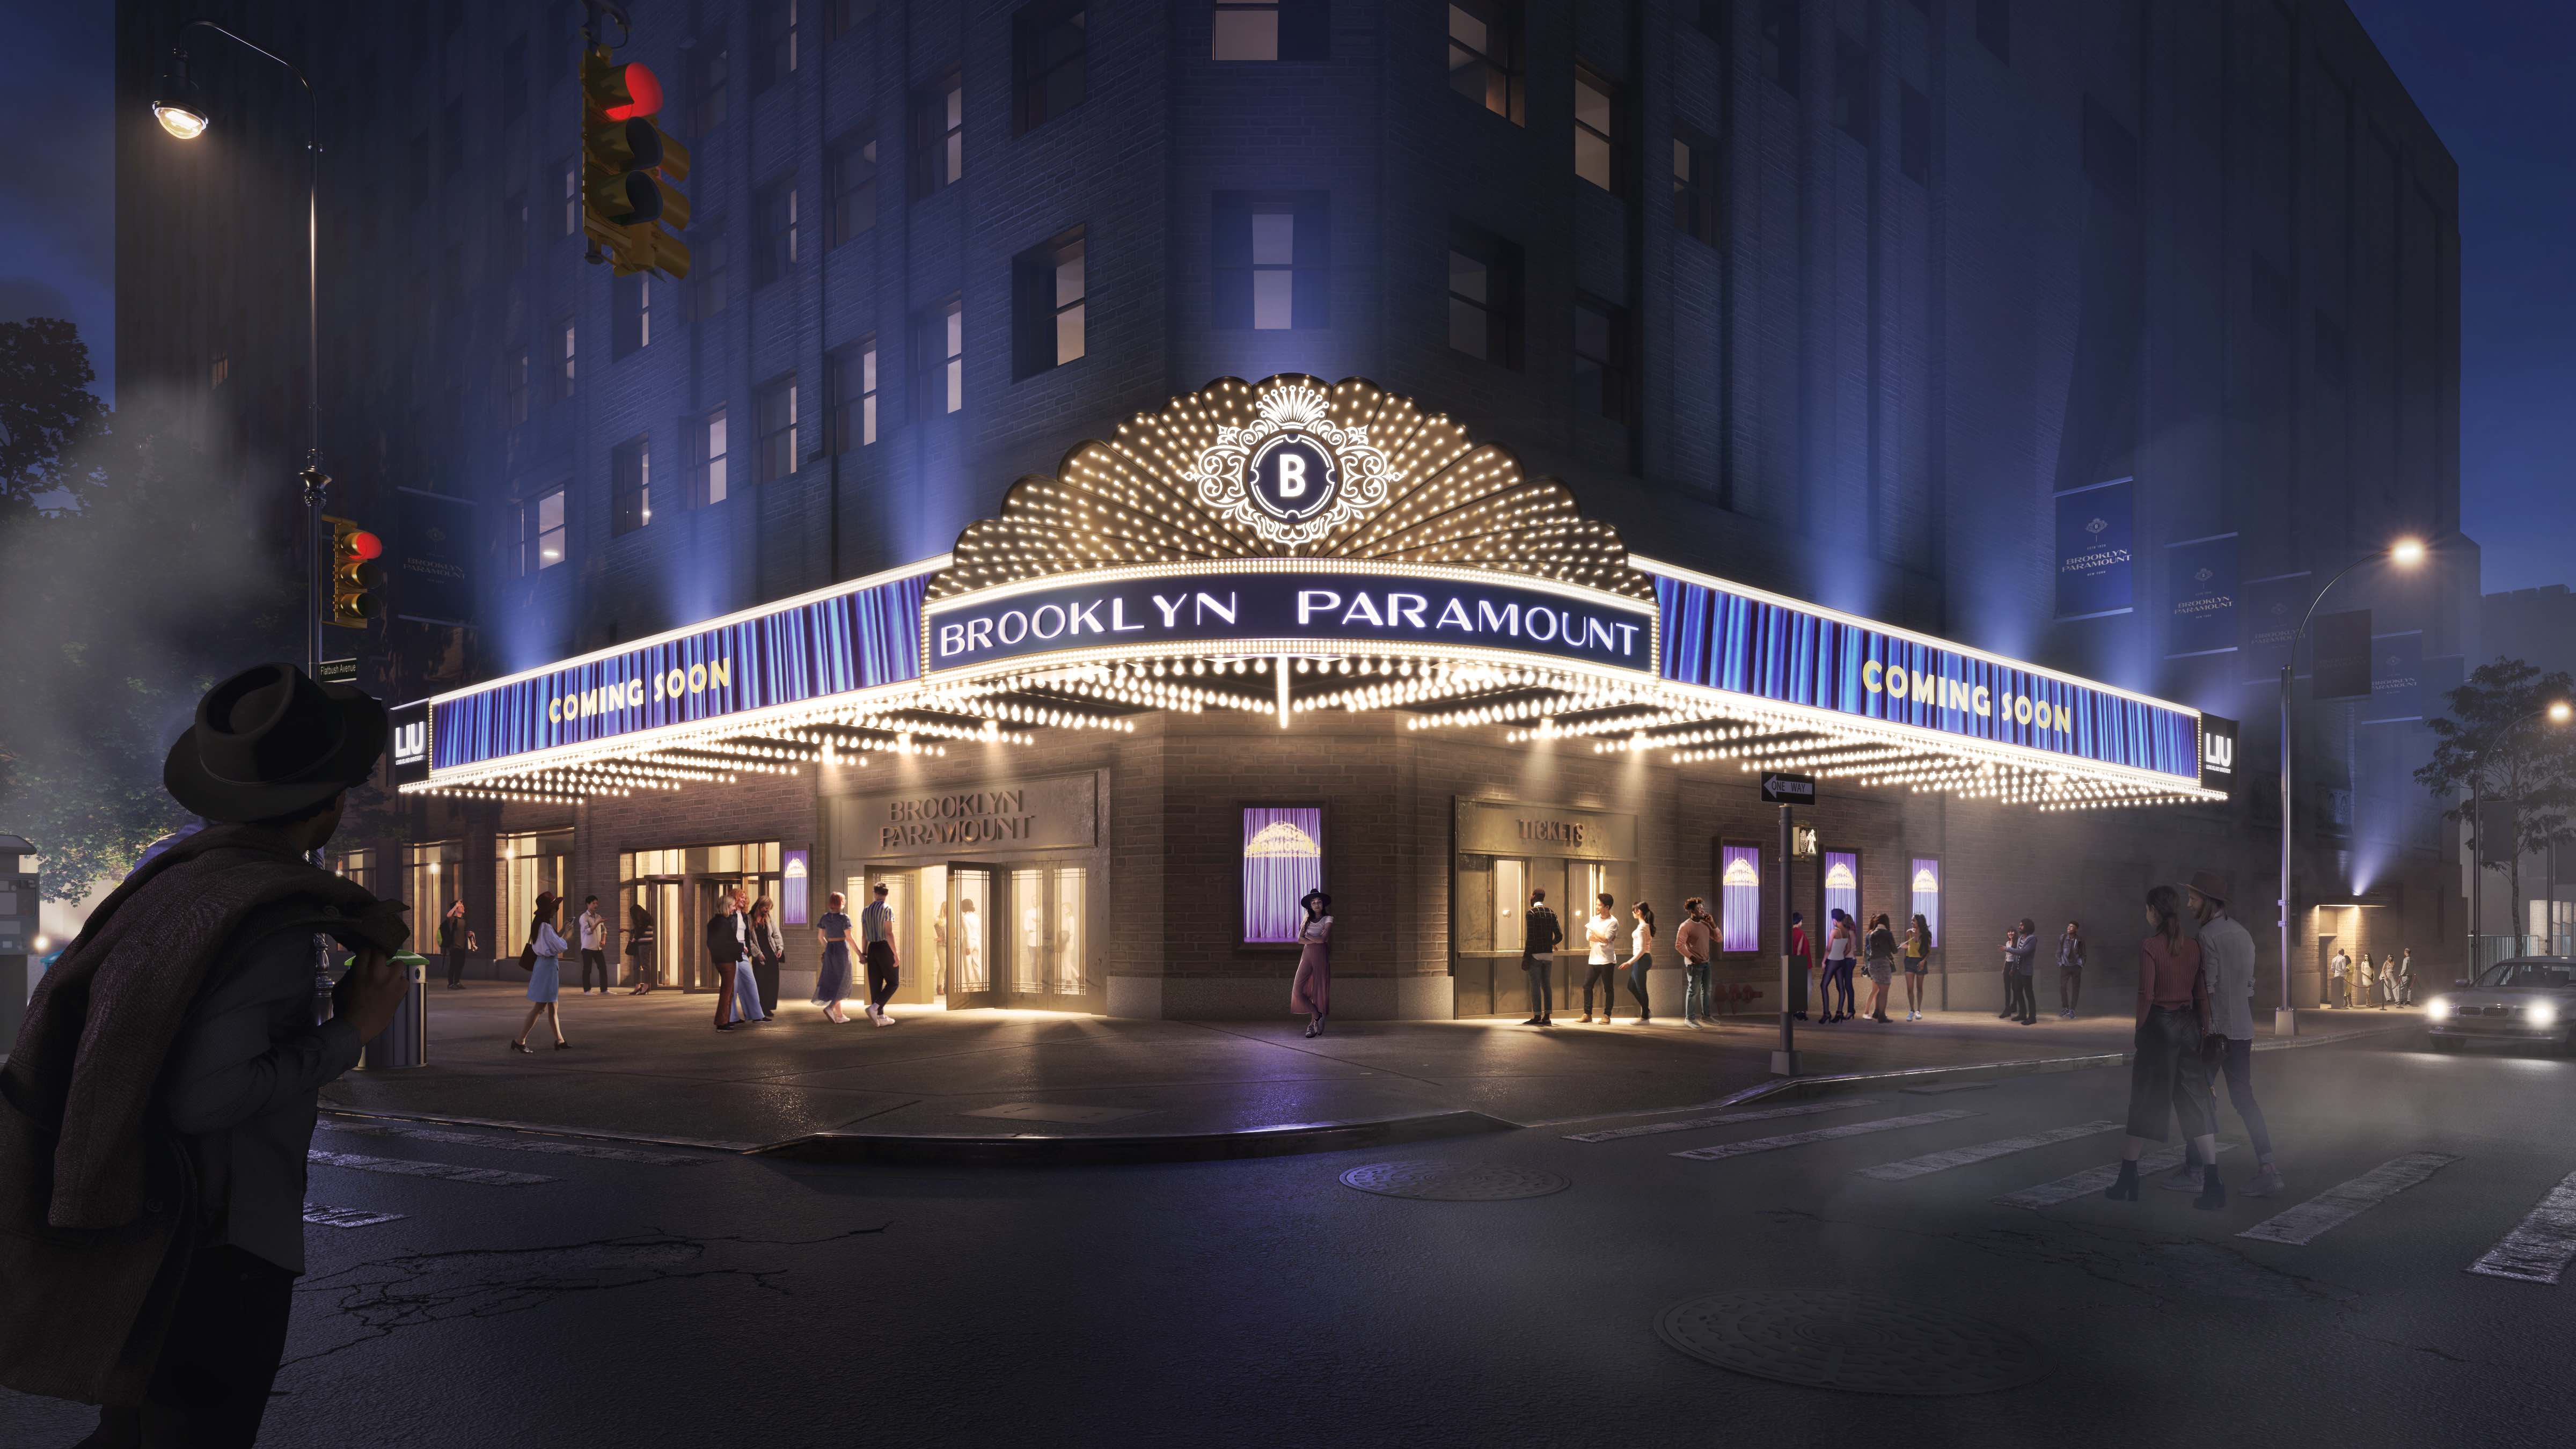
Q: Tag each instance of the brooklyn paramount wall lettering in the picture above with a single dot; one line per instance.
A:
(963, 819)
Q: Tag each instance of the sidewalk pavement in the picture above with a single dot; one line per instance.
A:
(654, 1068)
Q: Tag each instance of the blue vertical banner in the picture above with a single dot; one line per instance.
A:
(2267, 618)
(2095, 526)
(1739, 898)
(2200, 593)
(2396, 679)
(1842, 889)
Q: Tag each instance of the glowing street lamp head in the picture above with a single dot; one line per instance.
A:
(2560, 711)
(180, 121)
(175, 103)
(2406, 552)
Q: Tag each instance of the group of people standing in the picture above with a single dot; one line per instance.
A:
(2021, 986)
(1877, 950)
(1605, 955)
(2351, 984)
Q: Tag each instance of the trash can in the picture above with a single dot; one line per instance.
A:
(405, 1042)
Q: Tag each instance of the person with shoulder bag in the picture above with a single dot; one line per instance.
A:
(542, 959)
(768, 954)
(2168, 1071)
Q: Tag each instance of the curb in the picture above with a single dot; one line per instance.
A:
(543, 1129)
(1039, 1150)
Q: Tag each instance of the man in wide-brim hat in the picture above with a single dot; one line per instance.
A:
(160, 1098)
(2227, 951)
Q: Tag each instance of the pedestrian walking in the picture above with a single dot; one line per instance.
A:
(594, 945)
(832, 978)
(1601, 955)
(876, 943)
(729, 961)
(158, 1104)
(2168, 1071)
(1803, 952)
(2021, 992)
(2227, 955)
(2406, 977)
(2338, 972)
(455, 943)
(1539, 936)
(1880, 949)
(1641, 947)
(2387, 981)
(768, 954)
(639, 949)
(1692, 940)
(2365, 982)
(1841, 943)
(542, 959)
(1312, 990)
(2070, 969)
(1918, 963)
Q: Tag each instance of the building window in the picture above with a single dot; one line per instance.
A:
(1914, 133)
(1283, 859)
(571, 198)
(220, 370)
(1047, 292)
(776, 414)
(630, 485)
(2271, 297)
(1484, 296)
(631, 308)
(852, 178)
(773, 51)
(1046, 62)
(1739, 896)
(939, 135)
(1485, 55)
(358, 867)
(1272, 260)
(1779, 37)
(1695, 190)
(939, 359)
(514, 387)
(2330, 350)
(840, 17)
(1994, 27)
(541, 532)
(1596, 129)
(1855, 90)
(1600, 360)
(711, 275)
(1715, 19)
(708, 440)
(567, 371)
(710, 70)
(1270, 30)
(774, 212)
(853, 381)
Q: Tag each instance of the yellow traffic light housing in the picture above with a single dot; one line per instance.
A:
(353, 573)
(628, 165)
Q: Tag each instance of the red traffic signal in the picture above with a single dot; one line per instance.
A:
(644, 90)
(366, 545)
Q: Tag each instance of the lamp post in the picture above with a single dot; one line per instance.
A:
(2559, 712)
(2405, 553)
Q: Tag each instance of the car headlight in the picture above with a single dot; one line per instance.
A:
(2438, 1009)
(2542, 1013)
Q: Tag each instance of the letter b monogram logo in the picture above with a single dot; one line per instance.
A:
(1291, 478)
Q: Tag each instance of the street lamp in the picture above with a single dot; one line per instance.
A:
(2406, 553)
(181, 109)
(2559, 712)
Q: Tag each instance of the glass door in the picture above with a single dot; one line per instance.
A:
(1047, 939)
(968, 930)
(1067, 939)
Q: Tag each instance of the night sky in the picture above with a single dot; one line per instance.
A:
(2496, 77)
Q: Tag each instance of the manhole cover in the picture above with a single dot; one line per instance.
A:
(1447, 1182)
(1850, 1341)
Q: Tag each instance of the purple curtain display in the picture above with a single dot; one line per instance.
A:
(1927, 897)
(791, 888)
(1283, 858)
(1739, 898)
(1842, 888)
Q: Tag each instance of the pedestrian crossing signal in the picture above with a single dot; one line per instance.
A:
(629, 208)
(354, 574)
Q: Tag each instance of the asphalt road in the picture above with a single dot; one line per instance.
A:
(639, 1297)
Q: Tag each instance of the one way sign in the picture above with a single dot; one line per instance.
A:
(1780, 789)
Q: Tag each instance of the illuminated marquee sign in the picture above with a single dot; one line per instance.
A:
(1285, 610)
(408, 747)
(808, 649)
(1755, 644)
(1292, 474)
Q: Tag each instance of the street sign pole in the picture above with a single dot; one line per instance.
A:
(1787, 791)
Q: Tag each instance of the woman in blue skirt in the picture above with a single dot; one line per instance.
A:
(833, 981)
(544, 974)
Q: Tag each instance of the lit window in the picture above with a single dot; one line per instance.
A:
(1596, 109)
(939, 347)
(545, 531)
(630, 486)
(1049, 285)
(565, 375)
(1695, 191)
(711, 460)
(1245, 30)
(572, 198)
(939, 135)
(775, 54)
(631, 305)
(1484, 55)
(853, 378)
(775, 211)
(1269, 263)
(777, 417)
(1047, 61)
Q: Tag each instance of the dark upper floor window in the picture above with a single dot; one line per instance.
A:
(631, 313)
(514, 80)
(1913, 132)
(939, 359)
(775, 409)
(710, 270)
(1272, 259)
(1855, 90)
(939, 135)
(1697, 198)
(774, 212)
(851, 376)
(1047, 43)
(1994, 27)
(840, 17)
(2271, 296)
(514, 385)
(852, 177)
(1485, 62)
(630, 485)
(1484, 295)
(1779, 36)
(1715, 19)
(1600, 360)
(773, 43)
(1047, 294)
(2330, 349)
(710, 78)
(1596, 129)
(511, 242)
(1269, 30)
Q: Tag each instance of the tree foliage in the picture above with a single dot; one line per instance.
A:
(2498, 741)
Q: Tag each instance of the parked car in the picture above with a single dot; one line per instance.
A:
(2529, 999)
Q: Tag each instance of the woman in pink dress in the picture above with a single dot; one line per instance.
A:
(1312, 993)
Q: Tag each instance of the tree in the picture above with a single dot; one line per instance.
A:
(47, 416)
(2498, 742)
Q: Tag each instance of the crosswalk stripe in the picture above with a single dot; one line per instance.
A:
(2343, 1202)
(1931, 1162)
(1805, 1109)
(2538, 1248)
(331, 1217)
(2093, 1179)
(490, 1176)
(1823, 1134)
(553, 1146)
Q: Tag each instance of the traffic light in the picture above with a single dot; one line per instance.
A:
(355, 576)
(627, 167)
